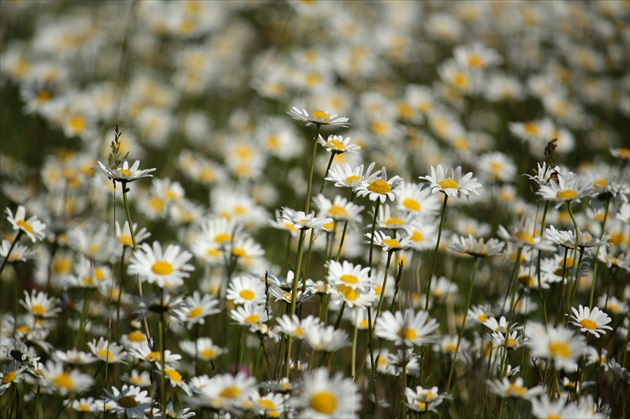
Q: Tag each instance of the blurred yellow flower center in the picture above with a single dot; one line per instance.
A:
(602, 183)
(324, 402)
(476, 61)
(105, 353)
(624, 153)
(136, 336)
(350, 293)
(239, 251)
(9, 377)
(162, 267)
(417, 236)
(321, 115)
(223, 237)
(588, 324)
(510, 342)
(336, 145)
(407, 333)
(173, 375)
(448, 183)
(84, 407)
(230, 392)
(567, 194)
(64, 381)
(524, 237)
(532, 128)
(38, 309)
(266, 404)
(392, 243)
(252, 318)
(394, 221)
(353, 178)
(349, 279)
(338, 211)
(516, 390)
(126, 240)
(26, 226)
(411, 204)
(195, 312)
(208, 353)
(379, 186)
(422, 406)
(127, 402)
(44, 95)
(526, 280)
(125, 172)
(451, 347)
(247, 294)
(153, 356)
(560, 349)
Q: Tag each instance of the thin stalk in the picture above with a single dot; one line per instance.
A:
(354, 344)
(332, 157)
(162, 332)
(310, 177)
(435, 252)
(601, 235)
(376, 207)
(6, 259)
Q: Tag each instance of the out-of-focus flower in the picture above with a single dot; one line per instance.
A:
(451, 182)
(124, 173)
(477, 247)
(129, 401)
(323, 396)
(561, 345)
(318, 117)
(407, 328)
(33, 228)
(507, 388)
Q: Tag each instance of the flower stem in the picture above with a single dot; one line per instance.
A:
(6, 259)
(435, 252)
(307, 206)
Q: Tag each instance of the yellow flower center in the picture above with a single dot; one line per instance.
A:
(601, 183)
(422, 406)
(531, 128)
(349, 279)
(195, 312)
(324, 402)
(239, 251)
(157, 204)
(411, 204)
(38, 309)
(230, 392)
(266, 404)
(392, 243)
(559, 350)
(588, 324)
(25, 226)
(162, 267)
(482, 317)
(526, 280)
(208, 353)
(554, 416)
(44, 96)
(252, 318)
(448, 184)
(247, 294)
(136, 336)
(379, 186)
(451, 347)
(9, 377)
(407, 333)
(336, 145)
(223, 238)
(126, 241)
(476, 61)
(321, 115)
(567, 194)
(173, 375)
(337, 211)
(127, 402)
(84, 407)
(350, 293)
(394, 221)
(417, 236)
(105, 353)
(125, 172)
(64, 381)
(516, 390)
(354, 178)
(461, 80)
(510, 342)
(624, 153)
(153, 356)
(524, 237)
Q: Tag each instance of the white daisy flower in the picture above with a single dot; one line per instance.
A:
(348, 177)
(506, 388)
(203, 348)
(590, 321)
(33, 228)
(323, 396)
(559, 344)
(66, 382)
(451, 182)
(39, 305)
(567, 187)
(246, 290)
(340, 209)
(130, 401)
(387, 243)
(337, 144)
(107, 351)
(326, 338)
(318, 117)
(476, 247)
(124, 173)
(423, 399)
(380, 188)
(166, 268)
(407, 328)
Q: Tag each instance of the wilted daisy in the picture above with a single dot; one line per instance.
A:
(124, 173)
(407, 328)
(33, 228)
(318, 117)
(166, 268)
(337, 144)
(322, 396)
(451, 182)
(590, 321)
(380, 188)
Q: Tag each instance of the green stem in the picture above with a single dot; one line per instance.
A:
(601, 235)
(312, 169)
(435, 252)
(162, 332)
(376, 208)
(332, 157)
(6, 259)
(294, 285)
(539, 273)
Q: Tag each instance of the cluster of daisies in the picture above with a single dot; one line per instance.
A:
(315, 209)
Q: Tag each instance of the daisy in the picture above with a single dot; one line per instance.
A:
(296, 328)
(506, 388)
(14, 253)
(477, 247)
(124, 173)
(413, 199)
(250, 315)
(199, 307)
(340, 209)
(74, 357)
(567, 187)
(39, 305)
(95, 242)
(12, 374)
(544, 408)
(124, 234)
(107, 352)
(203, 348)
(318, 117)
(33, 228)
(496, 167)
(450, 182)
(130, 401)
(353, 297)
(303, 221)
(476, 56)
(66, 382)
(387, 243)
(139, 379)
(85, 405)
(323, 396)
(326, 338)
(174, 377)
(407, 328)
(479, 314)
(559, 344)
(348, 177)
(143, 352)
(389, 219)
(590, 321)
(380, 188)
(348, 274)
(223, 392)
(336, 144)
(271, 404)
(165, 269)
(423, 399)
(246, 290)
